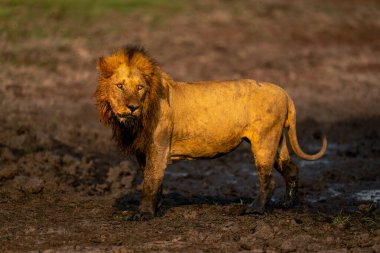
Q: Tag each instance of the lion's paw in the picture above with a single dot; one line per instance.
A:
(140, 216)
(287, 202)
(253, 209)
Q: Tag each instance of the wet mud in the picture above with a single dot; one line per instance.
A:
(65, 187)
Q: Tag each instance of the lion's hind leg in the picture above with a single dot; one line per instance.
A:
(289, 171)
(264, 146)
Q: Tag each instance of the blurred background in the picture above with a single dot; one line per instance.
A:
(326, 54)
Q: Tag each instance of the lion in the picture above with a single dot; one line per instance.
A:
(158, 120)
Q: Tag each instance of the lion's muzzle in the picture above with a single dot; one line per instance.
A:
(133, 107)
(126, 118)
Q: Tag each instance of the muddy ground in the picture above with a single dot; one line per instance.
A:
(64, 186)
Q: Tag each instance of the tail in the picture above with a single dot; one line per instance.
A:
(290, 124)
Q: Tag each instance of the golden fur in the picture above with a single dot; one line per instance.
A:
(131, 138)
(159, 120)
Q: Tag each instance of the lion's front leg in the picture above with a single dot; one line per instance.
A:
(138, 178)
(156, 162)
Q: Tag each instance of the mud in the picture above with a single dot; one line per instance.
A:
(64, 186)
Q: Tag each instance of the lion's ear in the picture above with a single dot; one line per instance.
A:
(104, 68)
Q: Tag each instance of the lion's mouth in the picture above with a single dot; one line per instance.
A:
(126, 119)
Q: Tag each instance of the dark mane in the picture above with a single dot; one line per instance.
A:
(131, 50)
(134, 136)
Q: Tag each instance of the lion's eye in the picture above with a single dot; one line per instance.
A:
(119, 85)
(140, 87)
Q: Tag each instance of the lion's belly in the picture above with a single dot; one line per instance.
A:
(199, 148)
(201, 136)
(211, 119)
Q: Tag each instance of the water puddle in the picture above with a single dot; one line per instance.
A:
(247, 168)
(326, 159)
(331, 192)
(323, 161)
(368, 195)
(176, 174)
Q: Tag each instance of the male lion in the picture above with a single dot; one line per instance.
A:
(159, 120)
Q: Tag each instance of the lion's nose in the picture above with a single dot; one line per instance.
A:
(133, 107)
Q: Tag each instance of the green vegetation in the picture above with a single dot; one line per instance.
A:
(89, 8)
(369, 222)
(63, 18)
(341, 221)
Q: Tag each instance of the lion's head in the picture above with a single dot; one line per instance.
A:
(128, 94)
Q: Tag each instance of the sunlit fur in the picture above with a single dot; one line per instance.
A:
(180, 120)
(133, 136)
